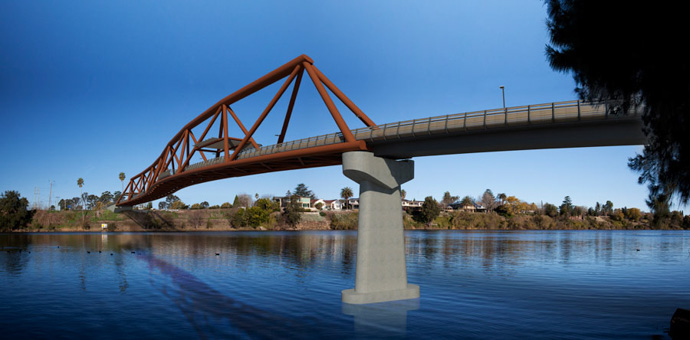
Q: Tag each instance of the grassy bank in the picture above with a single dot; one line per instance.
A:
(222, 220)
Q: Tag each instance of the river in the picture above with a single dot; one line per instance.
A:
(260, 285)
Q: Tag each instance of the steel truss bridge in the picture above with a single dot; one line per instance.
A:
(213, 154)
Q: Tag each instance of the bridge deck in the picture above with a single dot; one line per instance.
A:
(327, 149)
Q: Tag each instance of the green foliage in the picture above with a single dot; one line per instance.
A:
(346, 193)
(643, 77)
(430, 210)
(504, 210)
(347, 221)
(239, 218)
(291, 214)
(258, 215)
(13, 211)
(267, 205)
(550, 210)
(303, 191)
(226, 205)
(566, 208)
(448, 199)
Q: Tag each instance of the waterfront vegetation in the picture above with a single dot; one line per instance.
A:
(487, 211)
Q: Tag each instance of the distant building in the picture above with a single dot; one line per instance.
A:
(333, 204)
(304, 202)
(473, 207)
(411, 205)
(315, 204)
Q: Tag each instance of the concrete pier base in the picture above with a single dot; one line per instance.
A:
(381, 273)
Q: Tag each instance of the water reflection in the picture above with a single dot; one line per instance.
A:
(280, 284)
(381, 320)
(202, 305)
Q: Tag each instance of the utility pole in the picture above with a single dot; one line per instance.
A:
(37, 196)
(50, 196)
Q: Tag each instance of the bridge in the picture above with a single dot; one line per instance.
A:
(375, 156)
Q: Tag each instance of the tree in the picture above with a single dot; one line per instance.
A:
(640, 66)
(430, 210)
(122, 180)
(267, 204)
(106, 197)
(204, 205)
(116, 196)
(448, 199)
(550, 210)
(566, 208)
(633, 214)
(242, 200)
(13, 211)
(291, 213)
(403, 194)
(91, 201)
(502, 197)
(488, 200)
(607, 208)
(178, 205)
(302, 191)
(346, 193)
(80, 183)
(467, 202)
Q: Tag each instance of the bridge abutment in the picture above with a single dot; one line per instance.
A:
(381, 272)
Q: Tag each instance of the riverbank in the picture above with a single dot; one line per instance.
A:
(222, 220)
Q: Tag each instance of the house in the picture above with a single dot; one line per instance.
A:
(472, 207)
(315, 204)
(304, 202)
(410, 205)
(333, 204)
(353, 203)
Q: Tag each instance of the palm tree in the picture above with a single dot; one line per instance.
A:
(502, 197)
(346, 193)
(122, 179)
(80, 183)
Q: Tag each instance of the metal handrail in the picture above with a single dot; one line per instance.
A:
(547, 113)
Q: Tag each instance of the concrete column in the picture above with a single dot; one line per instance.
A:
(381, 273)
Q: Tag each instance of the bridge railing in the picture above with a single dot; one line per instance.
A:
(478, 120)
(497, 118)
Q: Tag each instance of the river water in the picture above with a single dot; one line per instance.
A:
(247, 285)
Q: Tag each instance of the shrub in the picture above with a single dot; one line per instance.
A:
(13, 212)
(348, 221)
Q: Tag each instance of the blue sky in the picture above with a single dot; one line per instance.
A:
(92, 88)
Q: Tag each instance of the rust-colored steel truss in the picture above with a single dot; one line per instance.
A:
(171, 171)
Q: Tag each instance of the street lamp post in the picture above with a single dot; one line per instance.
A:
(503, 91)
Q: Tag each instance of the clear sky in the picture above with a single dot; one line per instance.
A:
(94, 88)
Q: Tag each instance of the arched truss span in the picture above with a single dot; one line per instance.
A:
(223, 156)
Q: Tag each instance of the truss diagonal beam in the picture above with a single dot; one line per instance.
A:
(265, 113)
(329, 103)
(281, 138)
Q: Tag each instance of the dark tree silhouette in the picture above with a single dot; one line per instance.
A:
(632, 52)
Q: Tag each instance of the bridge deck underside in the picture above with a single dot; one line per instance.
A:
(307, 158)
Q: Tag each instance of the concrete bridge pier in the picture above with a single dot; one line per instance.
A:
(381, 273)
